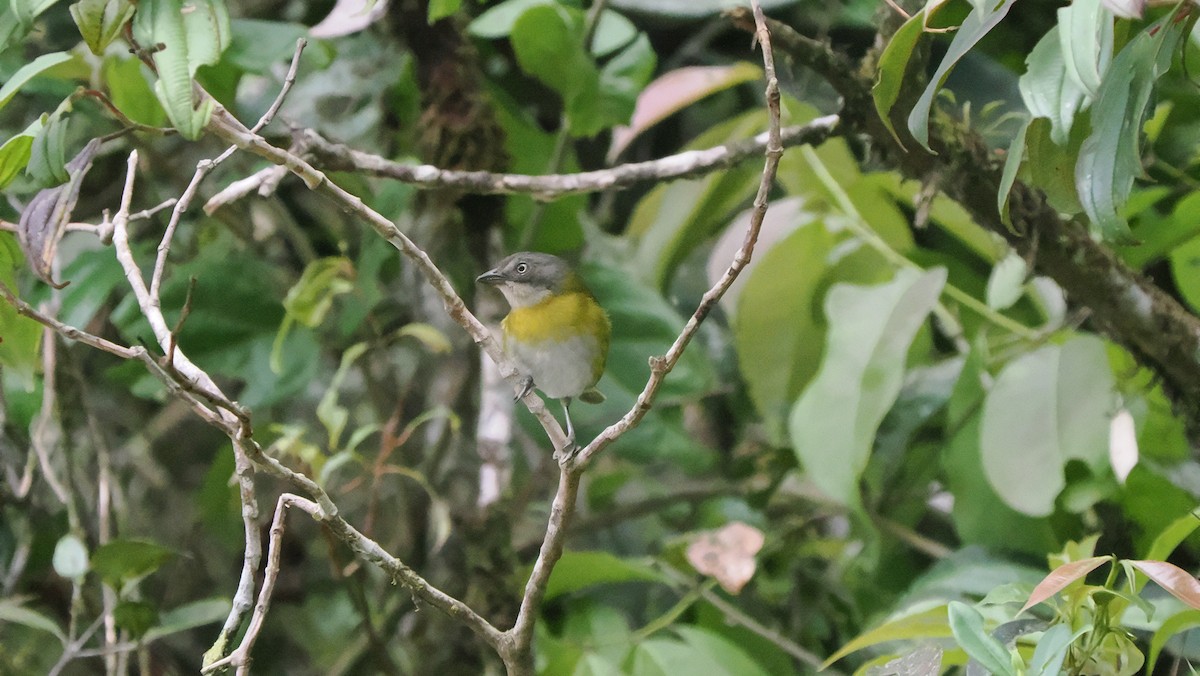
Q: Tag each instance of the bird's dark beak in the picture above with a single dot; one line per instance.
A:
(491, 277)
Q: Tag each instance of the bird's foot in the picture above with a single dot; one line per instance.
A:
(568, 451)
(526, 388)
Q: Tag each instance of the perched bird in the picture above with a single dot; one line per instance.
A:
(556, 332)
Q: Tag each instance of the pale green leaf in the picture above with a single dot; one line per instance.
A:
(1046, 407)
(893, 63)
(581, 570)
(1012, 163)
(440, 9)
(1006, 282)
(833, 424)
(189, 616)
(1085, 36)
(12, 611)
(926, 624)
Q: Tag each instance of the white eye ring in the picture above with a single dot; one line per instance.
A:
(522, 268)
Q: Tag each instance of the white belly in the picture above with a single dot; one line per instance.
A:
(559, 368)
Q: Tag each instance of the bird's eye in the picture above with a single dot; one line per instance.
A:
(522, 268)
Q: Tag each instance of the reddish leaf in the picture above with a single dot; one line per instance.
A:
(673, 92)
(1062, 576)
(1179, 582)
(727, 554)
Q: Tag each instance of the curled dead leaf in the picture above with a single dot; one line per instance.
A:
(727, 554)
(45, 218)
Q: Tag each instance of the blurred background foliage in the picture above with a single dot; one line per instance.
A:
(909, 416)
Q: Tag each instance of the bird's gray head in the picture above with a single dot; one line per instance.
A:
(528, 277)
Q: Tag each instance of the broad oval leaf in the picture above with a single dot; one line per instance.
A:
(893, 63)
(833, 424)
(1060, 577)
(580, 570)
(123, 560)
(1046, 407)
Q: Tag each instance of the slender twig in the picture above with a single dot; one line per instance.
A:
(687, 164)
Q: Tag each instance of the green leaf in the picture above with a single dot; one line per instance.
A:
(29, 71)
(893, 64)
(1051, 167)
(311, 297)
(21, 335)
(16, 151)
(1046, 408)
(440, 9)
(101, 21)
(257, 46)
(926, 624)
(47, 155)
(1110, 158)
(120, 561)
(1181, 621)
(977, 24)
(1185, 270)
(1172, 536)
(967, 625)
(131, 92)
(833, 424)
(778, 331)
(1052, 649)
(136, 617)
(331, 414)
(70, 557)
(613, 32)
(547, 40)
(581, 570)
(193, 35)
(498, 20)
(12, 611)
(189, 616)
(673, 219)
(665, 657)
(1012, 162)
(1085, 38)
(720, 651)
(623, 78)
(1047, 90)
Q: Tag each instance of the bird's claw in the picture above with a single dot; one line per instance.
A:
(526, 388)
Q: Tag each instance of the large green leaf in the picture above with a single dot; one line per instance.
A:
(1047, 407)
(721, 652)
(120, 561)
(194, 34)
(978, 23)
(581, 570)
(931, 623)
(548, 42)
(778, 330)
(1047, 90)
(870, 330)
(979, 515)
(1111, 158)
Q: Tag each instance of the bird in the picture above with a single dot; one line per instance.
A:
(556, 332)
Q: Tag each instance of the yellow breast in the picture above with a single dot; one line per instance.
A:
(559, 318)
